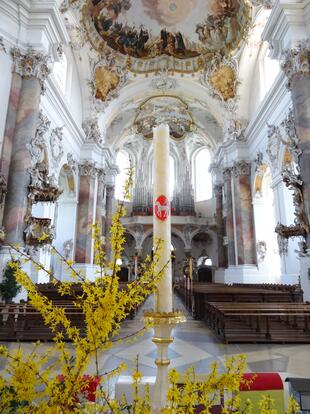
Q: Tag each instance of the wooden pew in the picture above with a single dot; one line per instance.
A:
(259, 322)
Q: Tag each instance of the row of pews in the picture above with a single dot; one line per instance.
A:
(250, 313)
(22, 322)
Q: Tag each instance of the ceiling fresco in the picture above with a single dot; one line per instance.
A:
(183, 29)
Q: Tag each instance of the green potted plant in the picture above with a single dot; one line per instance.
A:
(9, 287)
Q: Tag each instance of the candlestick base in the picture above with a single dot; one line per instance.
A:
(163, 324)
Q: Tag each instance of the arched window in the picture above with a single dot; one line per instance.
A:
(202, 177)
(60, 72)
(123, 163)
(269, 69)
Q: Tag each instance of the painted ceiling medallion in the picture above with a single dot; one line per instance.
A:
(183, 29)
(105, 81)
(164, 110)
(223, 81)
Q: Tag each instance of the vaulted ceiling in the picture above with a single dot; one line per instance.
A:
(181, 54)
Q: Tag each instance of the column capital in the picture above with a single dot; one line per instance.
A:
(218, 190)
(227, 173)
(31, 63)
(101, 175)
(296, 61)
(88, 169)
(110, 190)
(241, 168)
(92, 131)
(265, 3)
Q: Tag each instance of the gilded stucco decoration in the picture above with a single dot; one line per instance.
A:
(164, 109)
(223, 80)
(107, 80)
(220, 78)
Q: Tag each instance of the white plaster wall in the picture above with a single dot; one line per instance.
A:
(205, 208)
(65, 222)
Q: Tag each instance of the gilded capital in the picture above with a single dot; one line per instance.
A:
(297, 61)
(32, 63)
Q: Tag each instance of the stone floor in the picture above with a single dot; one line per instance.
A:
(195, 345)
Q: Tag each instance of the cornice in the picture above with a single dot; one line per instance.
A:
(26, 16)
(287, 23)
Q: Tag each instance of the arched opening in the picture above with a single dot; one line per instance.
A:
(123, 163)
(202, 244)
(268, 258)
(65, 219)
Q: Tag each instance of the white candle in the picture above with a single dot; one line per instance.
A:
(162, 217)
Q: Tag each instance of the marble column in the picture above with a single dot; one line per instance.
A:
(33, 69)
(296, 66)
(109, 210)
(218, 192)
(100, 199)
(85, 213)
(244, 214)
(229, 217)
(10, 124)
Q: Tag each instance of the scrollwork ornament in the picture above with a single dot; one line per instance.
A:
(88, 169)
(110, 190)
(265, 3)
(78, 37)
(101, 175)
(108, 78)
(227, 174)
(92, 131)
(236, 131)
(241, 168)
(67, 4)
(32, 63)
(261, 248)
(68, 249)
(259, 161)
(37, 144)
(72, 162)
(292, 141)
(296, 61)
(273, 146)
(163, 81)
(56, 140)
(220, 78)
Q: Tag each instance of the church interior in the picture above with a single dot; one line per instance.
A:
(83, 85)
